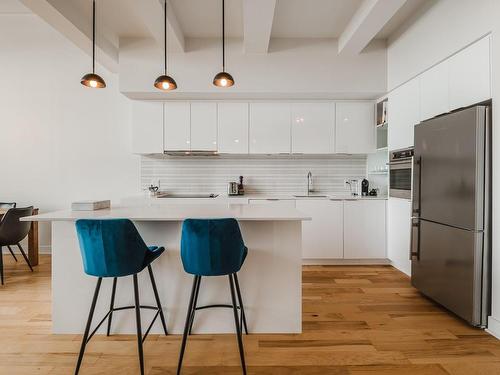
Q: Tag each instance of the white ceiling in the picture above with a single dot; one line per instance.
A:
(12, 6)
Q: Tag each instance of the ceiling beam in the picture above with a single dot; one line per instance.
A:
(151, 13)
(365, 24)
(65, 19)
(258, 16)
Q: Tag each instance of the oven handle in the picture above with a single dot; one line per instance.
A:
(403, 161)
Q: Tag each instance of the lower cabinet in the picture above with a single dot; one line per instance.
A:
(398, 233)
(364, 229)
(322, 237)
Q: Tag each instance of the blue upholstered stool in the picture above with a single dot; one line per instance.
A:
(114, 248)
(213, 247)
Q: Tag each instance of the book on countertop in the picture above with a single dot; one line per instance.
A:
(90, 205)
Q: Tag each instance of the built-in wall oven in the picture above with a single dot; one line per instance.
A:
(400, 173)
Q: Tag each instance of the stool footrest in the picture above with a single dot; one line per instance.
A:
(126, 308)
(218, 305)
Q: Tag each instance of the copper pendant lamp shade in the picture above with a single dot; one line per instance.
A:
(165, 82)
(223, 79)
(93, 80)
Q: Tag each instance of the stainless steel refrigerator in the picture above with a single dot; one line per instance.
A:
(450, 230)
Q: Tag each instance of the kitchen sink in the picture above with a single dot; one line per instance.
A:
(186, 195)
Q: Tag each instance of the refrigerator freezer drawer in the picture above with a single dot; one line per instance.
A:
(448, 268)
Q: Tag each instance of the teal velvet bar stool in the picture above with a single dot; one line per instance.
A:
(213, 247)
(114, 248)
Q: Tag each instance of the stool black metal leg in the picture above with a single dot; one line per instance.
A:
(1, 264)
(111, 305)
(138, 323)
(240, 300)
(157, 297)
(25, 257)
(14, 255)
(238, 328)
(187, 324)
(194, 304)
(87, 327)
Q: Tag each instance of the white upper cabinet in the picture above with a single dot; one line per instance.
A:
(313, 128)
(404, 114)
(322, 237)
(365, 229)
(204, 126)
(177, 126)
(147, 127)
(355, 128)
(434, 91)
(233, 128)
(269, 128)
(470, 80)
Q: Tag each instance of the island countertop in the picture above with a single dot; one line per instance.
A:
(179, 212)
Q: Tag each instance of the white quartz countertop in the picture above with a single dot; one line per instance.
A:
(179, 212)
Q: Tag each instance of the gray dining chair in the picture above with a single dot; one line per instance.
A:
(9, 205)
(13, 231)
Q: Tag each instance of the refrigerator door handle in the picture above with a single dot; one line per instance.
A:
(417, 185)
(415, 238)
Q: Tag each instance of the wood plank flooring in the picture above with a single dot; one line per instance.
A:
(357, 320)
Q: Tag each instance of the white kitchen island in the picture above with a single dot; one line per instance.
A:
(270, 279)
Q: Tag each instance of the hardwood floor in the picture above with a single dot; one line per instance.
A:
(358, 320)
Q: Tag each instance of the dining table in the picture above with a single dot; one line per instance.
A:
(32, 238)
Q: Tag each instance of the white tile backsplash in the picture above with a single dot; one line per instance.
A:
(265, 174)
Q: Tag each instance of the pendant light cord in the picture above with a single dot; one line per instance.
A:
(93, 36)
(165, 35)
(223, 38)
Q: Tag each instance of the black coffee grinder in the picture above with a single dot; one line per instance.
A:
(364, 187)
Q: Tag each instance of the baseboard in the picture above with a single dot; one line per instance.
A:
(493, 327)
(345, 262)
(43, 249)
(402, 266)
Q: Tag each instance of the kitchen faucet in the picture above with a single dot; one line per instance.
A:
(310, 187)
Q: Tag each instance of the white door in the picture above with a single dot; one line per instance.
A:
(470, 75)
(398, 233)
(269, 128)
(204, 126)
(147, 127)
(355, 128)
(403, 114)
(313, 128)
(322, 237)
(177, 126)
(434, 91)
(232, 128)
(364, 229)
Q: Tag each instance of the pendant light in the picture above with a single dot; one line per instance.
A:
(165, 82)
(223, 79)
(91, 79)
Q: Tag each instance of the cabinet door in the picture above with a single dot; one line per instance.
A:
(434, 91)
(470, 75)
(147, 127)
(289, 203)
(269, 128)
(355, 127)
(398, 233)
(233, 128)
(322, 237)
(313, 128)
(364, 229)
(177, 126)
(204, 126)
(403, 114)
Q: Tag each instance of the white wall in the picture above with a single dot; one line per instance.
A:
(59, 141)
(441, 29)
(292, 68)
